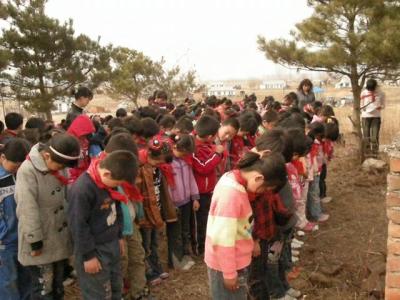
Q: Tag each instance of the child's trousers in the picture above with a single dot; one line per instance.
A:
(14, 278)
(314, 210)
(202, 217)
(218, 290)
(135, 269)
(301, 207)
(106, 284)
(47, 280)
(322, 183)
(150, 238)
(258, 280)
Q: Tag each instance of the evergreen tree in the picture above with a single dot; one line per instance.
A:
(46, 59)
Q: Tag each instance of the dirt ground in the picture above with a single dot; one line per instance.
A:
(344, 259)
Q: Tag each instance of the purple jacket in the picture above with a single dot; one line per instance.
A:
(185, 188)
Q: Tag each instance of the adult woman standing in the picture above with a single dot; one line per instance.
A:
(305, 93)
(371, 104)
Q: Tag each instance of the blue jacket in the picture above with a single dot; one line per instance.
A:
(8, 217)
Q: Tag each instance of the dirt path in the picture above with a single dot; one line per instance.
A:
(341, 261)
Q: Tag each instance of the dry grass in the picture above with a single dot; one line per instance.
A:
(390, 121)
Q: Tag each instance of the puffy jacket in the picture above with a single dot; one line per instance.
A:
(205, 162)
(42, 212)
(80, 128)
(8, 215)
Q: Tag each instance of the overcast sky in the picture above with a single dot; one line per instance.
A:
(217, 38)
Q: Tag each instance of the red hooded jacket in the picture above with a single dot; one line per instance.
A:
(205, 162)
(80, 128)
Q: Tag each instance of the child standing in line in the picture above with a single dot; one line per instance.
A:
(14, 278)
(155, 175)
(44, 243)
(229, 243)
(205, 161)
(314, 209)
(185, 196)
(95, 219)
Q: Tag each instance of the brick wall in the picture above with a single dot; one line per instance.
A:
(392, 290)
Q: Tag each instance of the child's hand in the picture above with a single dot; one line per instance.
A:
(220, 149)
(122, 247)
(196, 205)
(231, 284)
(92, 266)
(256, 249)
(36, 252)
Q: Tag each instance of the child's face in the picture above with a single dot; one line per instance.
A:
(8, 165)
(296, 156)
(226, 133)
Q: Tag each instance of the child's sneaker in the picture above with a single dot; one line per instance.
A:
(309, 227)
(286, 297)
(298, 241)
(293, 293)
(295, 246)
(185, 264)
(155, 281)
(323, 218)
(295, 252)
(326, 200)
(295, 259)
(300, 233)
(164, 275)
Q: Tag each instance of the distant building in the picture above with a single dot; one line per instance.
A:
(61, 106)
(274, 85)
(219, 89)
(343, 83)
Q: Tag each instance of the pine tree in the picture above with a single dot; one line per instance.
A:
(46, 59)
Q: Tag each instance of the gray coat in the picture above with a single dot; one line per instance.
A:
(305, 99)
(41, 211)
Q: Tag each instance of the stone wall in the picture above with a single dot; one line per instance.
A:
(392, 290)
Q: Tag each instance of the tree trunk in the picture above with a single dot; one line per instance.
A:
(49, 117)
(356, 114)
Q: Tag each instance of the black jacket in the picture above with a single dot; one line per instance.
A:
(94, 218)
(73, 112)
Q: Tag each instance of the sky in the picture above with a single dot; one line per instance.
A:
(217, 38)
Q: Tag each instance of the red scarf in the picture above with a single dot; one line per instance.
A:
(188, 159)
(62, 179)
(130, 190)
(299, 166)
(239, 179)
(166, 169)
(95, 175)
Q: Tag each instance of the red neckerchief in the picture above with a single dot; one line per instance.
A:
(370, 94)
(62, 179)
(239, 179)
(94, 174)
(188, 159)
(166, 169)
(130, 190)
(141, 142)
(10, 132)
(299, 166)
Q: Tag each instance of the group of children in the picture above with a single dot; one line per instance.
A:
(92, 196)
